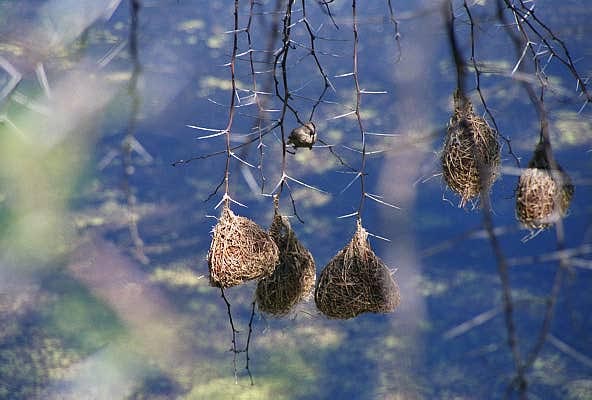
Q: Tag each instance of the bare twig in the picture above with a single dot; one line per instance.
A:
(234, 349)
(247, 357)
(395, 23)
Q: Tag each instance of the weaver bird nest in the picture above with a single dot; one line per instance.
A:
(471, 155)
(356, 281)
(240, 251)
(543, 194)
(294, 277)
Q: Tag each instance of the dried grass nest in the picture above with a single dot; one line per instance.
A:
(294, 278)
(240, 251)
(356, 281)
(543, 194)
(470, 144)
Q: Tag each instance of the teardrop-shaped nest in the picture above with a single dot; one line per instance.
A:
(356, 281)
(293, 280)
(240, 251)
(470, 144)
(543, 194)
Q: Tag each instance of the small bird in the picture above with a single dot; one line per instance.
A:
(303, 136)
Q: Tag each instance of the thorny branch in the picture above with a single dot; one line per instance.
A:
(502, 266)
(261, 97)
(362, 171)
(227, 198)
(231, 111)
(524, 42)
(478, 85)
(524, 16)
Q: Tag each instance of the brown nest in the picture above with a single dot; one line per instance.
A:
(471, 146)
(240, 251)
(543, 194)
(356, 281)
(294, 277)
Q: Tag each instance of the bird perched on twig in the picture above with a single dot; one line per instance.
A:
(303, 136)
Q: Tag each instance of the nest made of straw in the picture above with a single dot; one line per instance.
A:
(471, 146)
(543, 194)
(294, 277)
(356, 281)
(240, 251)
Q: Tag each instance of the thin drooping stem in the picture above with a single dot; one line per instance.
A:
(261, 96)
(231, 110)
(248, 358)
(362, 170)
(313, 53)
(286, 91)
(234, 349)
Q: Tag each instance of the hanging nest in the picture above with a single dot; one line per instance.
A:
(356, 281)
(470, 145)
(294, 277)
(240, 251)
(543, 194)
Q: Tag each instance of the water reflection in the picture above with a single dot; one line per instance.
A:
(89, 311)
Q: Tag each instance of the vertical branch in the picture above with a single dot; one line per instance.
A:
(326, 82)
(478, 84)
(129, 140)
(257, 99)
(362, 170)
(395, 23)
(502, 265)
(234, 349)
(282, 59)
(232, 101)
(248, 358)
(545, 140)
(459, 62)
(260, 95)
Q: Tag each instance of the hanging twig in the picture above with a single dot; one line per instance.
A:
(247, 357)
(395, 23)
(234, 349)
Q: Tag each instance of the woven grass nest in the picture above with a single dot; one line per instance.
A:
(356, 281)
(543, 194)
(470, 144)
(293, 280)
(240, 251)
